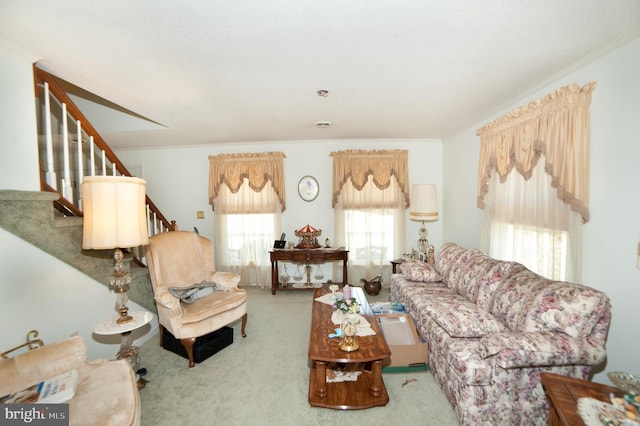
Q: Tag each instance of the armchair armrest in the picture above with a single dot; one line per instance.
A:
(47, 361)
(226, 280)
(536, 349)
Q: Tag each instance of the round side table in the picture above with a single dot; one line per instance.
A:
(127, 351)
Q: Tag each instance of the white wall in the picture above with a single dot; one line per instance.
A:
(612, 234)
(18, 128)
(177, 180)
(39, 291)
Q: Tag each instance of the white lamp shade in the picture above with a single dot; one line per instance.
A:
(114, 212)
(424, 203)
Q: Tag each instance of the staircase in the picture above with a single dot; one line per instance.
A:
(52, 219)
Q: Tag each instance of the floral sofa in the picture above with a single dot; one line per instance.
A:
(493, 326)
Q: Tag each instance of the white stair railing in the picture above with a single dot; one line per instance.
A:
(91, 156)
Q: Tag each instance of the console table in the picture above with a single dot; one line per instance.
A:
(306, 257)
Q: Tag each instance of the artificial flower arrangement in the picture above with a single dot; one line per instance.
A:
(349, 306)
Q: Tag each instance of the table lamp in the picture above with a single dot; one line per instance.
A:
(424, 208)
(115, 218)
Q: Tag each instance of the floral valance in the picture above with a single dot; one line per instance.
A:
(358, 165)
(257, 168)
(556, 127)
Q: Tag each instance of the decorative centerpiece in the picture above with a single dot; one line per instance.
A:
(308, 237)
(350, 309)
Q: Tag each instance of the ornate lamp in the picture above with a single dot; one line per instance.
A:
(424, 208)
(114, 218)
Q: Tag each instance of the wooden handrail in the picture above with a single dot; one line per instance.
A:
(64, 205)
(61, 95)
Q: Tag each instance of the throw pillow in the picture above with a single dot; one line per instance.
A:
(420, 271)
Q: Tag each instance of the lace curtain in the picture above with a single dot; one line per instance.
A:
(535, 216)
(369, 198)
(526, 222)
(247, 191)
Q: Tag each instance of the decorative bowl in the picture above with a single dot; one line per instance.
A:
(625, 381)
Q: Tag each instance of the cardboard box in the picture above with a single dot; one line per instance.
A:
(204, 347)
(408, 351)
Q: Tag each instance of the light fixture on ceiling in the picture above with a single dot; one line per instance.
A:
(323, 93)
(323, 124)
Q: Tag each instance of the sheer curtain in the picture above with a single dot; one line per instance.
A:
(535, 214)
(526, 222)
(370, 198)
(247, 195)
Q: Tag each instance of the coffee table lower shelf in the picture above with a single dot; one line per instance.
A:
(357, 393)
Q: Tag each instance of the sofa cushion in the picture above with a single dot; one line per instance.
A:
(521, 350)
(463, 318)
(420, 272)
(512, 298)
(481, 276)
(451, 261)
(561, 307)
(211, 305)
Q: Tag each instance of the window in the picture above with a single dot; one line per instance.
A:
(541, 250)
(370, 197)
(527, 223)
(533, 183)
(247, 192)
(243, 238)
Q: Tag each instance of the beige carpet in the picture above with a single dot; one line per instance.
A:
(264, 379)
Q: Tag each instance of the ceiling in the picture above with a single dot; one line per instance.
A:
(213, 71)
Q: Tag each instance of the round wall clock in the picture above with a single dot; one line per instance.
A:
(308, 188)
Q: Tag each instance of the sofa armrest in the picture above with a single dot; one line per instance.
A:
(536, 349)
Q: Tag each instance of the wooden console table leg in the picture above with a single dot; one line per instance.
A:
(274, 276)
(321, 379)
(344, 270)
(376, 376)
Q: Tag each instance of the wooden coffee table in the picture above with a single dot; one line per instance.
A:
(369, 390)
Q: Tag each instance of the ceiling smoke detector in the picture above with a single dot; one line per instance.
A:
(323, 124)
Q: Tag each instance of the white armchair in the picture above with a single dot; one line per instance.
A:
(183, 259)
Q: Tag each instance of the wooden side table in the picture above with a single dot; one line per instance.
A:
(563, 393)
(395, 263)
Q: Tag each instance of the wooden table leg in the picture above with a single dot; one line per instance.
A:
(321, 379)
(344, 271)
(274, 276)
(376, 376)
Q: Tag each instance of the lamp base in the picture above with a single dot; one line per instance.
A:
(119, 284)
(423, 242)
(124, 317)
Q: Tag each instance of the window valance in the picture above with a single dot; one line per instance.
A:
(555, 126)
(257, 168)
(358, 165)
